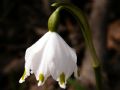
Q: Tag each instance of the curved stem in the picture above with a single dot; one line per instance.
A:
(83, 22)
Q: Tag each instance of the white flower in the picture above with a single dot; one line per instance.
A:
(50, 55)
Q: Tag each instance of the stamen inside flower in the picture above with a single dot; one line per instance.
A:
(23, 77)
(41, 79)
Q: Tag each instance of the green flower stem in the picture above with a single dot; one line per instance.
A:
(83, 22)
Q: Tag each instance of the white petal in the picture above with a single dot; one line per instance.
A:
(62, 85)
(21, 80)
(40, 83)
(62, 57)
(43, 67)
(33, 54)
(38, 57)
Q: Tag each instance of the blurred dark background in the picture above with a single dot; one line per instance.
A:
(23, 22)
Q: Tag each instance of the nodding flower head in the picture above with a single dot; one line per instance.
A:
(50, 56)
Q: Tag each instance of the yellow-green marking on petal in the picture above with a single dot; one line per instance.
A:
(62, 78)
(62, 81)
(41, 79)
(23, 77)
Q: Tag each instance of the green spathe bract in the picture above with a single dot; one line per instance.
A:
(53, 21)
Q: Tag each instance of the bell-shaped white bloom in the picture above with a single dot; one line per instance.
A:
(50, 55)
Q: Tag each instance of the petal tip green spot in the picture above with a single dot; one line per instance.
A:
(62, 80)
(41, 79)
(23, 77)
